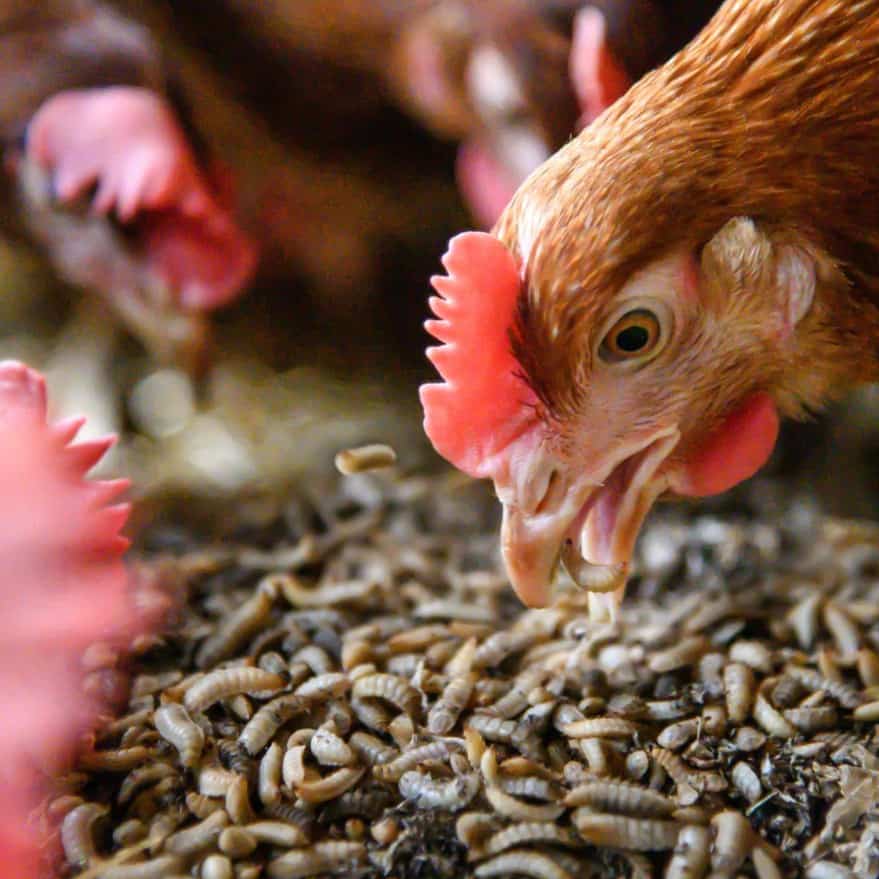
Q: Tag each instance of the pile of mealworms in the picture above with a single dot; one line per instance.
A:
(354, 691)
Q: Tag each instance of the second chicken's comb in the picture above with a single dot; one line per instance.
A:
(483, 404)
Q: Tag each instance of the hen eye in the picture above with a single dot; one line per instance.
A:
(635, 335)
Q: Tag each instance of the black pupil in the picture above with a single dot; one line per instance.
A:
(632, 339)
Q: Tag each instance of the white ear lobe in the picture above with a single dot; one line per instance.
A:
(795, 278)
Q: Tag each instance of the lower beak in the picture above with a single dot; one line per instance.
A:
(591, 529)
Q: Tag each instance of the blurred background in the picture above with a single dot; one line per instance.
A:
(356, 132)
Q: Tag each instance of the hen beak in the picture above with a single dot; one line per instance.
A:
(583, 521)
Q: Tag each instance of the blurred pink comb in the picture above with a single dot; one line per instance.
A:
(483, 404)
(63, 586)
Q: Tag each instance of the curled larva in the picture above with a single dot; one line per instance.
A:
(316, 658)
(739, 686)
(226, 682)
(847, 696)
(77, 833)
(844, 630)
(690, 857)
(269, 778)
(238, 801)
(176, 726)
(620, 831)
(530, 832)
(521, 862)
(198, 837)
(330, 750)
(278, 833)
(214, 781)
(322, 857)
(158, 868)
(330, 786)
(390, 688)
(428, 793)
(142, 777)
(394, 770)
(202, 806)
(511, 807)
(768, 717)
(600, 728)
(372, 749)
(235, 629)
(733, 839)
(269, 719)
(455, 697)
(622, 797)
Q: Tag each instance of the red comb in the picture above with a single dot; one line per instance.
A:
(63, 586)
(483, 404)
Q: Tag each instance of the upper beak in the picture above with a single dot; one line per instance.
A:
(584, 521)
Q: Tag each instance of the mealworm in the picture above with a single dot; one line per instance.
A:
(845, 632)
(352, 591)
(691, 853)
(238, 801)
(710, 612)
(176, 726)
(600, 728)
(684, 776)
(767, 717)
(621, 797)
(372, 713)
(764, 866)
(676, 735)
(77, 833)
(226, 682)
(236, 842)
(363, 458)
(619, 831)
(139, 778)
(119, 760)
(198, 837)
(714, 720)
(814, 718)
(678, 656)
(868, 667)
(214, 781)
(277, 833)
(372, 749)
(847, 696)
(355, 653)
(597, 755)
(330, 750)
(202, 806)
(529, 832)
(733, 839)
(867, 712)
(216, 867)
(316, 658)
(754, 654)
(390, 688)
(322, 857)
(739, 686)
(293, 765)
(444, 714)
(530, 786)
(803, 618)
(269, 719)
(460, 663)
(402, 730)
(129, 832)
(330, 786)
(237, 628)
(427, 793)
(498, 647)
(161, 867)
(393, 771)
(747, 782)
(524, 863)
(511, 807)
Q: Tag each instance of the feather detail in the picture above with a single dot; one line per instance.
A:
(483, 404)
(63, 586)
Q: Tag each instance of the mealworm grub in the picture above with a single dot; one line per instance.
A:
(363, 458)
(214, 781)
(813, 680)
(622, 797)
(498, 647)
(619, 831)
(402, 730)
(129, 832)
(227, 682)
(77, 833)
(390, 688)
(868, 667)
(119, 760)
(600, 728)
(293, 765)
(529, 832)
(372, 749)
(236, 629)
(749, 739)
(521, 862)
(529, 786)
(690, 857)
(676, 735)
(444, 714)
(739, 686)
(331, 786)
(771, 721)
(755, 654)
(597, 756)
(238, 801)
(845, 632)
(827, 870)
(198, 837)
(161, 867)
(393, 771)
(216, 867)
(277, 833)
(868, 712)
(386, 831)
(322, 857)
(140, 778)
(236, 842)
(428, 793)
(681, 655)
(350, 592)
(511, 807)
(764, 866)
(176, 726)
(733, 840)
(746, 782)
(269, 719)
(330, 750)
(372, 713)
(813, 719)
(269, 778)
